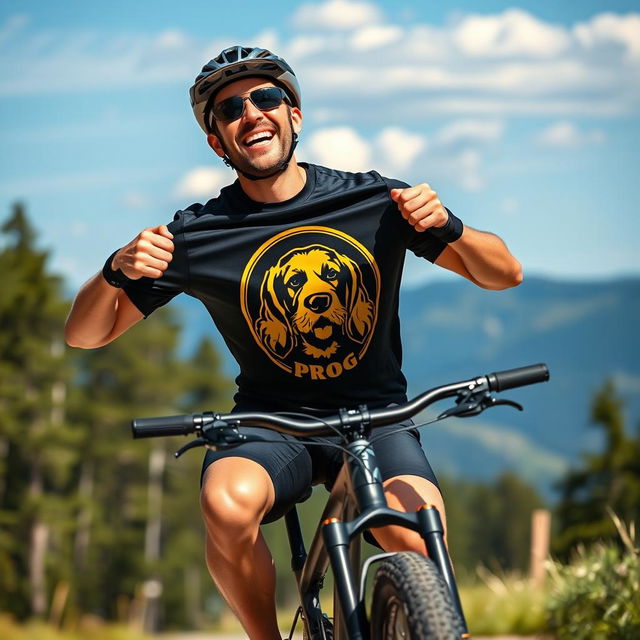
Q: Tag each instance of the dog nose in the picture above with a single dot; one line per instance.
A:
(318, 302)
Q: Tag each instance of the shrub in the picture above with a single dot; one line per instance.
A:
(596, 596)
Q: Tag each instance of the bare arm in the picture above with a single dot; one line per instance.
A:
(482, 258)
(101, 312)
(479, 256)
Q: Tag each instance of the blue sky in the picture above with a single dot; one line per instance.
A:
(524, 117)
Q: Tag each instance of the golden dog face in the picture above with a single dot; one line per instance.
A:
(313, 298)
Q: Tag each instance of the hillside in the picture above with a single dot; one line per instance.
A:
(585, 332)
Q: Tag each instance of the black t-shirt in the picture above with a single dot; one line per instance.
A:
(304, 292)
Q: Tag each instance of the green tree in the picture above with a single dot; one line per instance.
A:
(606, 480)
(36, 442)
(184, 574)
(489, 524)
(119, 514)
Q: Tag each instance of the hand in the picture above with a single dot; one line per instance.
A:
(420, 207)
(147, 255)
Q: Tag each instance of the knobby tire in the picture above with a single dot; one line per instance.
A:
(410, 600)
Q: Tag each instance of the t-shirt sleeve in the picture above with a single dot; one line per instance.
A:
(148, 294)
(422, 244)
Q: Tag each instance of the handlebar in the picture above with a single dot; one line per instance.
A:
(520, 377)
(481, 386)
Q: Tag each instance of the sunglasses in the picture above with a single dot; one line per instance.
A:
(263, 99)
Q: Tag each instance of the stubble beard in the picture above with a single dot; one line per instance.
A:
(256, 166)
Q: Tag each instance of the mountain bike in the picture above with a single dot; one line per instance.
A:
(412, 596)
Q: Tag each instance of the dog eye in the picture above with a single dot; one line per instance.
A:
(296, 281)
(331, 274)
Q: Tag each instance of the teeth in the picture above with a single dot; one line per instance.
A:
(263, 135)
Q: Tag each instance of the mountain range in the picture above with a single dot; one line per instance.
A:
(586, 332)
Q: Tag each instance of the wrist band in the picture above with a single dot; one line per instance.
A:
(114, 278)
(451, 231)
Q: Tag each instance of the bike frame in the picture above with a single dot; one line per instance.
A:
(356, 503)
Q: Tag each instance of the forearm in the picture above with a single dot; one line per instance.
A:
(487, 259)
(93, 314)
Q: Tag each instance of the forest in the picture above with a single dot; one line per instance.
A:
(94, 522)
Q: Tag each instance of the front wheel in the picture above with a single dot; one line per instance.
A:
(411, 601)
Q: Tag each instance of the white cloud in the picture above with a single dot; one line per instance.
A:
(171, 40)
(511, 33)
(12, 25)
(469, 163)
(395, 152)
(510, 206)
(375, 36)
(566, 134)
(469, 132)
(504, 63)
(610, 28)
(336, 15)
(306, 45)
(136, 200)
(202, 182)
(79, 229)
(71, 61)
(424, 42)
(339, 147)
(267, 39)
(398, 148)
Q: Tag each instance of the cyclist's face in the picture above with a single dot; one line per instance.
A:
(258, 140)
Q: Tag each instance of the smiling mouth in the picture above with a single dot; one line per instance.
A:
(322, 328)
(258, 140)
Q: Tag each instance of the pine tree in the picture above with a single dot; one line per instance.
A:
(36, 443)
(605, 481)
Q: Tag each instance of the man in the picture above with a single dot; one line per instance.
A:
(300, 268)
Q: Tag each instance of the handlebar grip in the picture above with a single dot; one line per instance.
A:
(511, 378)
(165, 426)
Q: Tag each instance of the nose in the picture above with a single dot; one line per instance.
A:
(251, 112)
(318, 302)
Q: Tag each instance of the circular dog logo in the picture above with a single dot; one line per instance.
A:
(310, 297)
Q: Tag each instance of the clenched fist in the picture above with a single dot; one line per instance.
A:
(420, 207)
(147, 255)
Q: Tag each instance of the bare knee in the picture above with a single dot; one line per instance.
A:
(408, 493)
(236, 494)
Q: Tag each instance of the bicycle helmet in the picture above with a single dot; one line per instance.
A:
(235, 63)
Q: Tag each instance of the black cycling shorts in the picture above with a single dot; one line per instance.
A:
(294, 465)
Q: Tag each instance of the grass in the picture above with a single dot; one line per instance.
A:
(88, 628)
(506, 604)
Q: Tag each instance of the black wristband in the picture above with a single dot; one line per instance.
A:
(114, 278)
(451, 231)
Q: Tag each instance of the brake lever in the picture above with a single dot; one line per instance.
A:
(216, 435)
(472, 404)
(222, 435)
(198, 442)
(509, 403)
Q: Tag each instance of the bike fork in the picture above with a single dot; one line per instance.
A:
(337, 541)
(433, 534)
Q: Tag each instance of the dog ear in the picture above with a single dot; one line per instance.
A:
(359, 306)
(272, 325)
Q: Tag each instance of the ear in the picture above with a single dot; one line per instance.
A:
(296, 119)
(214, 143)
(273, 326)
(360, 308)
